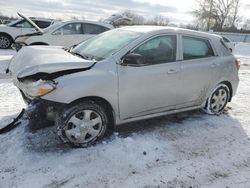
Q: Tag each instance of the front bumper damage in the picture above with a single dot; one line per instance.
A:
(41, 113)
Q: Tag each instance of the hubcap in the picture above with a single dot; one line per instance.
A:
(218, 100)
(4, 42)
(83, 126)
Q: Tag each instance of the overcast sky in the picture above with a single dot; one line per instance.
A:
(177, 10)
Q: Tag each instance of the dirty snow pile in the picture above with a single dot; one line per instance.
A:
(189, 149)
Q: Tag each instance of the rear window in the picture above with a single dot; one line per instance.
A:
(93, 28)
(194, 48)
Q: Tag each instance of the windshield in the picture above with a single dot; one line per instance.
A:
(105, 44)
(13, 22)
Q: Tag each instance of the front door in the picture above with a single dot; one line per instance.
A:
(150, 87)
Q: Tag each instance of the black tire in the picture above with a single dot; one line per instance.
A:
(5, 41)
(217, 100)
(63, 123)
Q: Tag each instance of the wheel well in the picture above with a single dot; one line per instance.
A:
(229, 85)
(39, 43)
(102, 102)
(2, 33)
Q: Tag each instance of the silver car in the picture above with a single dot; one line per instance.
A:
(124, 75)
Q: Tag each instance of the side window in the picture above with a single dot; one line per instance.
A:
(42, 24)
(70, 29)
(194, 48)
(225, 47)
(93, 29)
(23, 24)
(225, 39)
(160, 49)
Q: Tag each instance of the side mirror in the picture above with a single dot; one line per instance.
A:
(133, 59)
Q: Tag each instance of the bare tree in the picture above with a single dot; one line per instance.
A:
(136, 19)
(205, 13)
(217, 14)
(235, 11)
(160, 20)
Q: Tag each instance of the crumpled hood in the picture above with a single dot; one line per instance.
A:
(31, 60)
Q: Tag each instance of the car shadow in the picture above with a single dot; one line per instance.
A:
(46, 139)
(152, 124)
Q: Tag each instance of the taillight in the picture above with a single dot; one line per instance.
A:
(237, 63)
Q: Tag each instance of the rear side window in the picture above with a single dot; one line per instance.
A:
(225, 46)
(42, 24)
(93, 28)
(194, 48)
(225, 39)
(70, 29)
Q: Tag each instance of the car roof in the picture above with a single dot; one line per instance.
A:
(159, 29)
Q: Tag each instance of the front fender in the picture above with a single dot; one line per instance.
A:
(99, 82)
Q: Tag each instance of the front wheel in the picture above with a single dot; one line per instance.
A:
(217, 100)
(5, 41)
(82, 124)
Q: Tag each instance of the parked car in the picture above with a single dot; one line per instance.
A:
(65, 34)
(230, 44)
(124, 75)
(10, 31)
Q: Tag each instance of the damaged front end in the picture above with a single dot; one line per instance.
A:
(35, 76)
(40, 112)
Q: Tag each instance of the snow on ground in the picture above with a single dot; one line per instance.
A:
(189, 149)
(5, 56)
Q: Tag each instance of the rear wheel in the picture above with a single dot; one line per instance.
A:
(5, 41)
(82, 124)
(218, 99)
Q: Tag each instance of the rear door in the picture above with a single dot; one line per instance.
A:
(150, 88)
(199, 62)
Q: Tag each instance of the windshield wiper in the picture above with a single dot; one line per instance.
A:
(80, 55)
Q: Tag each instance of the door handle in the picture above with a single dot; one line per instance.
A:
(172, 71)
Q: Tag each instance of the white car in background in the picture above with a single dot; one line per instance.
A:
(9, 32)
(65, 34)
(230, 44)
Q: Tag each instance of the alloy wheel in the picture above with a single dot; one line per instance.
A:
(4, 42)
